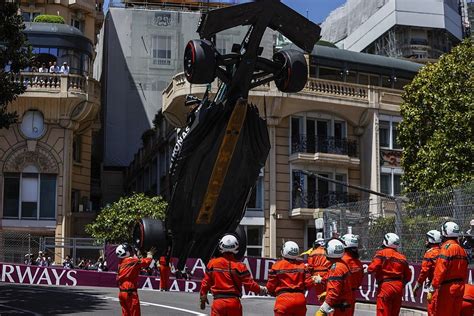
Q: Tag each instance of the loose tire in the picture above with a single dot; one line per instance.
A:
(149, 233)
(200, 62)
(294, 73)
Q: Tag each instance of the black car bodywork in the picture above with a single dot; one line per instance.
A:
(219, 154)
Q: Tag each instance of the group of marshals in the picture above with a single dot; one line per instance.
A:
(333, 269)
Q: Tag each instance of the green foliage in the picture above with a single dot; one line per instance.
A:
(413, 236)
(13, 55)
(47, 18)
(437, 128)
(115, 222)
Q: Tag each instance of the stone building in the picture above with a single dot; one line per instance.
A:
(45, 159)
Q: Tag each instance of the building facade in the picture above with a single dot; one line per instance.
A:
(397, 28)
(342, 126)
(45, 159)
(140, 49)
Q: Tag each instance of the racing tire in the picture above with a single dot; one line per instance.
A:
(148, 233)
(294, 73)
(200, 62)
(242, 238)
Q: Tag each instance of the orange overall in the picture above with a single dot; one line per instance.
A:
(339, 289)
(224, 277)
(318, 264)
(127, 278)
(356, 276)
(450, 275)
(468, 301)
(288, 281)
(392, 273)
(165, 272)
(427, 271)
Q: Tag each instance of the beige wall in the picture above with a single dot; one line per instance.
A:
(62, 8)
(67, 112)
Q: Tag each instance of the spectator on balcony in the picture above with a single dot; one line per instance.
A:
(67, 264)
(64, 69)
(43, 68)
(54, 68)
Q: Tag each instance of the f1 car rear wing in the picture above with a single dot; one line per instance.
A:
(295, 27)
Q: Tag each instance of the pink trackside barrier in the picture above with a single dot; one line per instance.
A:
(259, 267)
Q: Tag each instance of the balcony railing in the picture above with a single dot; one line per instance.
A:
(329, 145)
(315, 199)
(37, 82)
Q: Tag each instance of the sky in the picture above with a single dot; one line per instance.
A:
(316, 10)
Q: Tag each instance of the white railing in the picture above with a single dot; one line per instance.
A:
(316, 87)
(38, 81)
(336, 88)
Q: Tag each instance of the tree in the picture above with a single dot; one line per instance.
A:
(436, 132)
(14, 56)
(115, 222)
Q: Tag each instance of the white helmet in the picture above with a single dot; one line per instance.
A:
(319, 240)
(123, 251)
(434, 236)
(391, 240)
(450, 229)
(351, 240)
(335, 248)
(290, 250)
(229, 243)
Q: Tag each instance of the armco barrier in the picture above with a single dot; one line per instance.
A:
(259, 267)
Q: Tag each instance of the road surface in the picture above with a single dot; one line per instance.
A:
(28, 300)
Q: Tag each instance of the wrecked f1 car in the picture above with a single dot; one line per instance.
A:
(219, 154)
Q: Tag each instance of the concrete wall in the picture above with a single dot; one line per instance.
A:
(132, 82)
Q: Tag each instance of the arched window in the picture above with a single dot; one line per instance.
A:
(29, 195)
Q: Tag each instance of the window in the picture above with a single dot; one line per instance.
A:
(161, 50)
(384, 134)
(313, 192)
(75, 200)
(29, 16)
(29, 195)
(254, 241)
(221, 45)
(388, 132)
(256, 199)
(330, 74)
(76, 148)
(390, 181)
(78, 24)
(320, 133)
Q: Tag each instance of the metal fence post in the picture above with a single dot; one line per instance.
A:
(74, 249)
(29, 246)
(398, 220)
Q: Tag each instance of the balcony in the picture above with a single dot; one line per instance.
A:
(84, 5)
(306, 205)
(63, 99)
(329, 145)
(56, 85)
(325, 91)
(326, 150)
